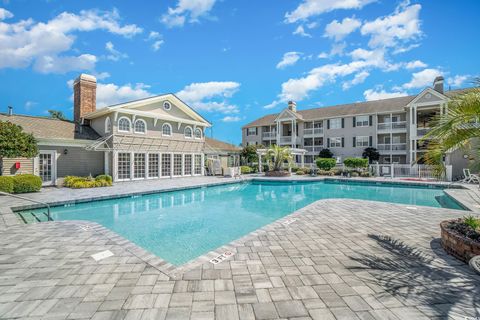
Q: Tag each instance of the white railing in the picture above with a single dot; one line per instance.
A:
(393, 147)
(286, 139)
(313, 148)
(270, 135)
(417, 171)
(312, 131)
(387, 126)
(422, 131)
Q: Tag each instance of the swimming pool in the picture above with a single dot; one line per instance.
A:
(179, 226)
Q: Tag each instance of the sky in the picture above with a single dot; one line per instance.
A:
(233, 61)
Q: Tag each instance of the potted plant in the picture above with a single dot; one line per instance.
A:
(461, 237)
(277, 156)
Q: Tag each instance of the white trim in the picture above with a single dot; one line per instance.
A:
(195, 136)
(171, 130)
(185, 132)
(165, 103)
(144, 124)
(129, 123)
(424, 91)
(108, 125)
(53, 154)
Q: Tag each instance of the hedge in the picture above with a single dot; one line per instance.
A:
(355, 162)
(6, 184)
(245, 169)
(326, 163)
(75, 182)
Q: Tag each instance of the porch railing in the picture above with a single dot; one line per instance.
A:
(313, 131)
(398, 125)
(417, 171)
(393, 146)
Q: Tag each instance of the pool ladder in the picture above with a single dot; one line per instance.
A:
(35, 216)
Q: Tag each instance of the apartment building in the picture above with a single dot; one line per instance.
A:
(393, 126)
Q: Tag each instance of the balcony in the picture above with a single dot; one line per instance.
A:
(392, 126)
(422, 131)
(269, 135)
(315, 149)
(312, 131)
(392, 148)
(289, 140)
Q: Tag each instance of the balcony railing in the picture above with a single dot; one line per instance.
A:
(269, 135)
(313, 148)
(286, 139)
(312, 131)
(422, 131)
(388, 126)
(392, 147)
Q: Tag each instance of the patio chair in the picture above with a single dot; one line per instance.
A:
(470, 177)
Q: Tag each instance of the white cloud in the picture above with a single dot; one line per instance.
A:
(289, 59)
(30, 104)
(187, 11)
(458, 80)
(114, 54)
(339, 30)
(26, 41)
(359, 78)
(231, 119)
(157, 40)
(322, 55)
(157, 44)
(154, 35)
(371, 94)
(109, 94)
(422, 78)
(5, 14)
(310, 8)
(210, 96)
(415, 64)
(300, 30)
(396, 29)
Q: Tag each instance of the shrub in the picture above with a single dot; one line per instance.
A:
(245, 169)
(472, 222)
(23, 183)
(326, 163)
(355, 162)
(6, 184)
(300, 172)
(295, 169)
(354, 174)
(325, 153)
(325, 172)
(74, 182)
(365, 174)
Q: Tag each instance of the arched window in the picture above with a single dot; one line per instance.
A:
(188, 132)
(198, 133)
(167, 105)
(124, 124)
(166, 129)
(140, 126)
(108, 125)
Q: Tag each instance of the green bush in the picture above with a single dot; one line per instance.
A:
(354, 174)
(300, 172)
(472, 222)
(326, 172)
(365, 174)
(74, 182)
(326, 163)
(245, 169)
(23, 183)
(295, 169)
(355, 162)
(6, 184)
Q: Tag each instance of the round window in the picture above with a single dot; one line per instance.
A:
(167, 105)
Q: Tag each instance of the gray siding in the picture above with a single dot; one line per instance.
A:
(77, 161)
(8, 166)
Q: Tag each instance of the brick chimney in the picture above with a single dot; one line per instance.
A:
(438, 84)
(84, 96)
(292, 106)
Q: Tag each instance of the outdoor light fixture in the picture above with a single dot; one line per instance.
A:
(65, 151)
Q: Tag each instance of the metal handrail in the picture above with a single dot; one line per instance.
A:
(36, 201)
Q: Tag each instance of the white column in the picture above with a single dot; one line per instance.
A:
(303, 159)
(183, 164)
(193, 164)
(259, 163)
(106, 162)
(146, 165)
(202, 164)
(278, 133)
(293, 133)
(171, 165)
(132, 158)
(114, 165)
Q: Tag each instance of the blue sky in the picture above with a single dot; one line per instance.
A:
(233, 61)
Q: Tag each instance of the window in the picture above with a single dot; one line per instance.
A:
(198, 133)
(188, 164)
(167, 105)
(138, 165)
(394, 159)
(166, 129)
(252, 131)
(153, 165)
(123, 166)
(166, 164)
(140, 126)
(108, 125)
(336, 142)
(362, 141)
(188, 133)
(124, 124)
(177, 164)
(336, 123)
(198, 164)
(362, 121)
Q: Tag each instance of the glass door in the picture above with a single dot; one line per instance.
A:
(46, 167)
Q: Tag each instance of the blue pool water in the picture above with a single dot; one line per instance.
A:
(179, 226)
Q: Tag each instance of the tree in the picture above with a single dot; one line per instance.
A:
(325, 153)
(458, 128)
(371, 154)
(278, 156)
(249, 153)
(56, 114)
(16, 143)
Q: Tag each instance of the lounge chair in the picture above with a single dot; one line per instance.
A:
(470, 177)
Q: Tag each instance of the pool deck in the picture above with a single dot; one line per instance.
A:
(334, 259)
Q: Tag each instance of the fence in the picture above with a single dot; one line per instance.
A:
(418, 171)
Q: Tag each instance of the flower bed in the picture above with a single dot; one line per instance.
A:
(277, 173)
(460, 239)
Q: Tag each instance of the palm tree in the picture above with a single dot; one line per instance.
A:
(278, 155)
(458, 128)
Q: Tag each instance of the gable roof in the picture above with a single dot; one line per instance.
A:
(215, 145)
(129, 105)
(47, 128)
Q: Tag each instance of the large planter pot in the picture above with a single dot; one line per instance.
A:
(277, 174)
(457, 245)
